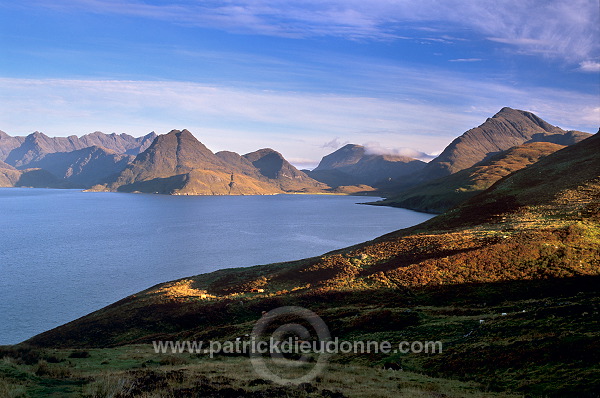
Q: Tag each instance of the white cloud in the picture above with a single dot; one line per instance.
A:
(589, 66)
(376, 148)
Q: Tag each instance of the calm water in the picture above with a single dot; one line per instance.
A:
(65, 253)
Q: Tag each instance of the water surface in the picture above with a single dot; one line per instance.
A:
(66, 253)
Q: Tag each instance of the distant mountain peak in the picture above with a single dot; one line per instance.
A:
(357, 165)
(507, 128)
(347, 155)
(348, 147)
(272, 164)
(178, 163)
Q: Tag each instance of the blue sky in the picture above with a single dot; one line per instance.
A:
(302, 77)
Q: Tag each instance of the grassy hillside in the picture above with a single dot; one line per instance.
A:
(506, 129)
(135, 371)
(442, 194)
(508, 282)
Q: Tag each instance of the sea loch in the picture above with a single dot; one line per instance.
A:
(65, 253)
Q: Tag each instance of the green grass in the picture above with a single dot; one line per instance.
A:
(549, 350)
(136, 370)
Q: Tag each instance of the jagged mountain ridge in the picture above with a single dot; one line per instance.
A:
(8, 143)
(121, 143)
(37, 145)
(177, 163)
(84, 167)
(68, 162)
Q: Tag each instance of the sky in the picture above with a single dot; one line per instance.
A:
(303, 77)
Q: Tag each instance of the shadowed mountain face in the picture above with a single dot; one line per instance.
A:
(441, 194)
(177, 163)
(84, 167)
(353, 165)
(238, 162)
(32, 177)
(345, 156)
(37, 145)
(8, 143)
(272, 165)
(67, 162)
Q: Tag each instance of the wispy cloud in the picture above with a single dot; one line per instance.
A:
(334, 144)
(556, 28)
(466, 60)
(291, 122)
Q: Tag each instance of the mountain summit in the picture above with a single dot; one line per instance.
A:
(354, 165)
(347, 155)
(506, 129)
(177, 163)
(271, 164)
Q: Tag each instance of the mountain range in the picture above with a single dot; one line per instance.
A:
(66, 162)
(173, 163)
(177, 163)
(506, 129)
(36, 146)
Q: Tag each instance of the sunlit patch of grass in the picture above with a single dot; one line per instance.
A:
(183, 289)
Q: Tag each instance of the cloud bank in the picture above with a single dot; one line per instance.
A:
(375, 148)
